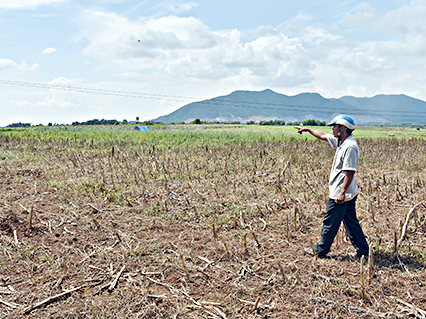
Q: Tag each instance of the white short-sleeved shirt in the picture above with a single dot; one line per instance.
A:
(345, 159)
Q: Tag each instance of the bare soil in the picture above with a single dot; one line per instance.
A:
(204, 231)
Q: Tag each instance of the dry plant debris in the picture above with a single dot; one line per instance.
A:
(201, 229)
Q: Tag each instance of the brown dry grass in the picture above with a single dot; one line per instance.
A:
(147, 212)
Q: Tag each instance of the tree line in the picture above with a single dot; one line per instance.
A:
(310, 122)
(270, 122)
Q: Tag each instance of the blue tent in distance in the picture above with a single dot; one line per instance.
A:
(141, 128)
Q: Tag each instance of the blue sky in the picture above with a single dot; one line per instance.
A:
(170, 53)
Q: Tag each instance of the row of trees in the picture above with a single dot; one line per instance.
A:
(19, 124)
(90, 122)
(198, 121)
(296, 123)
(309, 122)
(97, 122)
(271, 122)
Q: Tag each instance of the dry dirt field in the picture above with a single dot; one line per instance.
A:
(192, 228)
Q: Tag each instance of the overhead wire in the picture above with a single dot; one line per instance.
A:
(215, 101)
(96, 91)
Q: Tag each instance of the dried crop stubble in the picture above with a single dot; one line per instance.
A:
(96, 212)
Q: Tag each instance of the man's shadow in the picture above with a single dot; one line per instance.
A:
(390, 261)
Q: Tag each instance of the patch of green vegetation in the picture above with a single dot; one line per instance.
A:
(221, 221)
(28, 254)
(48, 258)
(418, 256)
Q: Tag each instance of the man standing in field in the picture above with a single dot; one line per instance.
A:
(342, 186)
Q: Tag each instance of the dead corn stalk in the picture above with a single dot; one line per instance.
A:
(9, 304)
(203, 272)
(370, 263)
(253, 303)
(31, 212)
(404, 227)
(256, 304)
(182, 260)
(287, 225)
(15, 236)
(114, 282)
(50, 299)
(94, 220)
(281, 269)
(226, 247)
(285, 168)
(245, 244)
(395, 242)
(296, 210)
(412, 307)
(370, 208)
(31, 216)
(255, 238)
(362, 278)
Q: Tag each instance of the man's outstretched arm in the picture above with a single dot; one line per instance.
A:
(317, 134)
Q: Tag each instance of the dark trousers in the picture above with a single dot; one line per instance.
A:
(336, 213)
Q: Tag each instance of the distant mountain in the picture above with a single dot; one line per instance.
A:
(391, 108)
(244, 106)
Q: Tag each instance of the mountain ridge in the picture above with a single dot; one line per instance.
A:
(243, 106)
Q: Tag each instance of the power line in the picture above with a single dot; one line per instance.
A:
(98, 91)
(215, 101)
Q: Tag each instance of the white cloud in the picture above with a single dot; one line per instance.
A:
(49, 50)
(127, 75)
(37, 109)
(298, 54)
(8, 64)
(186, 48)
(49, 102)
(362, 16)
(32, 67)
(26, 4)
(61, 81)
(408, 21)
(178, 8)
